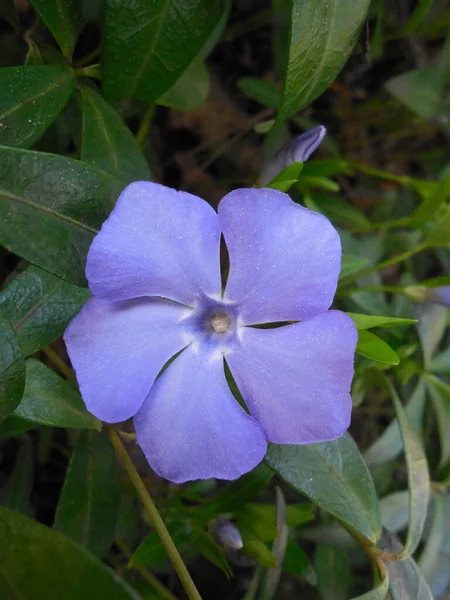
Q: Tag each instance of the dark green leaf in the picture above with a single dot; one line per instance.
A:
(50, 400)
(439, 235)
(296, 562)
(333, 573)
(322, 35)
(373, 347)
(430, 205)
(191, 90)
(371, 321)
(30, 100)
(106, 141)
(63, 18)
(88, 504)
(418, 476)
(146, 49)
(51, 208)
(211, 551)
(352, 264)
(12, 369)
(39, 307)
(37, 562)
(16, 493)
(334, 476)
(152, 552)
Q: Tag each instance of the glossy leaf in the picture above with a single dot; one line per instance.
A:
(371, 321)
(50, 400)
(191, 90)
(87, 508)
(63, 18)
(334, 476)
(53, 564)
(147, 49)
(39, 307)
(51, 208)
(106, 141)
(373, 347)
(16, 492)
(12, 369)
(30, 100)
(418, 476)
(322, 36)
(389, 445)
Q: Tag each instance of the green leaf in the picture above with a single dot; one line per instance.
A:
(236, 494)
(63, 18)
(434, 560)
(12, 369)
(87, 508)
(39, 307)
(51, 208)
(441, 363)
(373, 347)
(296, 562)
(352, 264)
(30, 100)
(431, 326)
(55, 566)
(256, 523)
(333, 572)
(211, 551)
(406, 581)
(260, 552)
(389, 445)
(147, 49)
(427, 209)
(50, 400)
(439, 235)
(418, 476)
(17, 490)
(152, 552)
(395, 511)
(191, 90)
(379, 592)
(287, 178)
(420, 90)
(322, 36)
(334, 476)
(106, 141)
(338, 211)
(370, 321)
(440, 396)
(263, 91)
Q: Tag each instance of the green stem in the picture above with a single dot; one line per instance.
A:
(142, 134)
(152, 511)
(404, 222)
(60, 364)
(398, 258)
(92, 71)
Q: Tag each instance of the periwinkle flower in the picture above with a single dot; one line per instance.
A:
(297, 150)
(440, 295)
(155, 277)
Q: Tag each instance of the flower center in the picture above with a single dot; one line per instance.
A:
(220, 322)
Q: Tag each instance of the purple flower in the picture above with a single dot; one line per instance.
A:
(441, 295)
(155, 278)
(298, 150)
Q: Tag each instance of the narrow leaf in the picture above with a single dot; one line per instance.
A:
(371, 321)
(373, 347)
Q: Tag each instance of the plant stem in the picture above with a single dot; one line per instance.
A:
(142, 133)
(60, 364)
(152, 511)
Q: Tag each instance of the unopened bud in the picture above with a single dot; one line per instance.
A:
(226, 534)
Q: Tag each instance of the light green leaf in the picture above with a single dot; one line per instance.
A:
(373, 347)
(39, 307)
(87, 508)
(427, 209)
(63, 18)
(439, 235)
(30, 100)
(51, 208)
(191, 90)
(287, 178)
(12, 369)
(145, 58)
(370, 321)
(260, 552)
(322, 36)
(55, 566)
(106, 141)
(334, 476)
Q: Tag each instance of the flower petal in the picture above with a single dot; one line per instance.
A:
(191, 427)
(284, 259)
(156, 242)
(118, 349)
(296, 379)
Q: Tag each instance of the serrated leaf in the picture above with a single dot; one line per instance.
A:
(334, 476)
(322, 36)
(51, 208)
(53, 564)
(371, 321)
(39, 307)
(63, 18)
(373, 347)
(145, 58)
(12, 369)
(31, 98)
(87, 508)
(50, 400)
(106, 141)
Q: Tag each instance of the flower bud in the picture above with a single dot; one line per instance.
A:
(297, 150)
(226, 534)
(440, 295)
